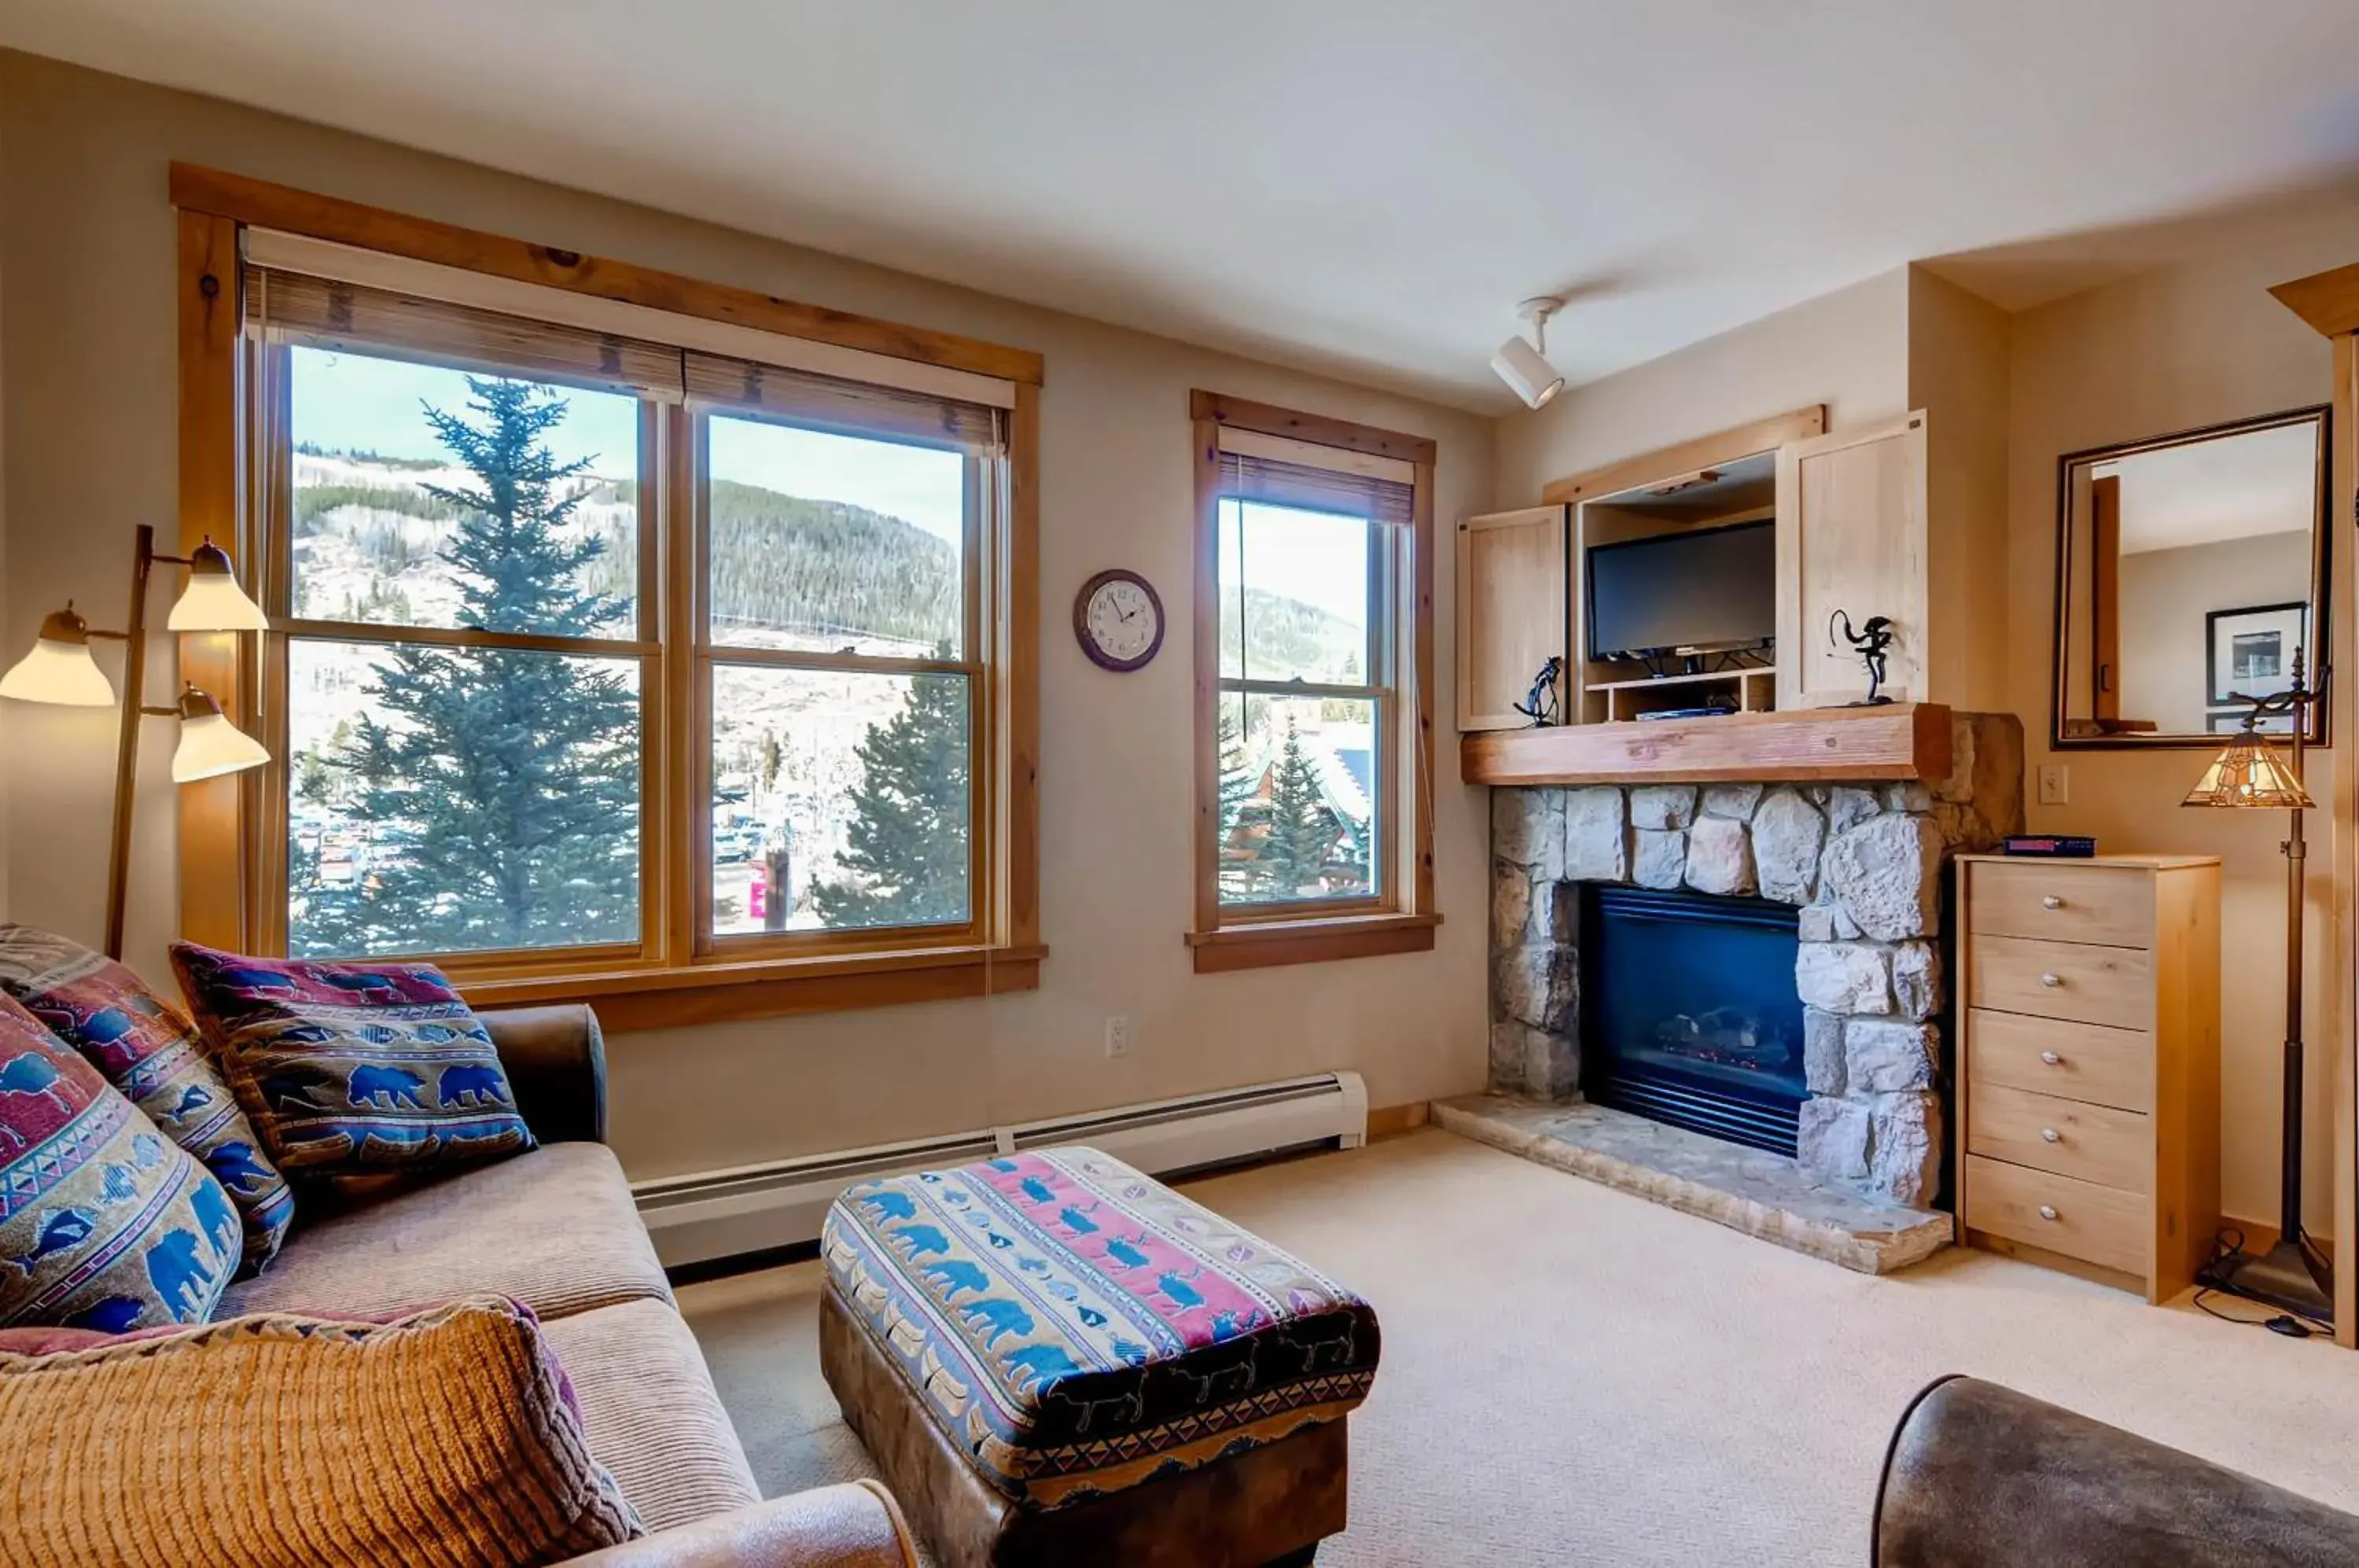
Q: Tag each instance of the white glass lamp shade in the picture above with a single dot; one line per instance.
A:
(1525, 369)
(209, 745)
(213, 602)
(60, 669)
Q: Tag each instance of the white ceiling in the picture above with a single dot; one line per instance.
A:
(2232, 487)
(1360, 186)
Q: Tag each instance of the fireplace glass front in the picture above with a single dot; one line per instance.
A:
(1688, 1014)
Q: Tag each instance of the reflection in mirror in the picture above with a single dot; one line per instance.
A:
(2187, 570)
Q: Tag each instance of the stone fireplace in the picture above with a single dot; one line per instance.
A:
(1861, 868)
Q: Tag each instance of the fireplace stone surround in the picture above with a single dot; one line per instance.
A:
(1863, 862)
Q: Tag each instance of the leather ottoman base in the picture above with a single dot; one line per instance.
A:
(1267, 1505)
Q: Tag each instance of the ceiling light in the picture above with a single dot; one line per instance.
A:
(1524, 365)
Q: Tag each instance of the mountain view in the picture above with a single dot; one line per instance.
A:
(370, 542)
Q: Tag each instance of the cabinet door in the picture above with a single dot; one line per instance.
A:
(1851, 537)
(1511, 616)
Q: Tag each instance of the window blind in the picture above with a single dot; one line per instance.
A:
(329, 313)
(1248, 478)
(320, 313)
(830, 403)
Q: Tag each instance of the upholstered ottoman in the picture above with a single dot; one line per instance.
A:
(1056, 1360)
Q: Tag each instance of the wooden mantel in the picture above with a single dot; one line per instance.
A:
(1901, 741)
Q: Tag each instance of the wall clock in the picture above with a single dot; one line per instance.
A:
(1118, 619)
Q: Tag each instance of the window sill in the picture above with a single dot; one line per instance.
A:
(1265, 943)
(631, 1000)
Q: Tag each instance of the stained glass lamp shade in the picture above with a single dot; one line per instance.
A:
(2248, 772)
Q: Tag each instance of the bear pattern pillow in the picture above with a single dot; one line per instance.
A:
(153, 1053)
(104, 1223)
(356, 1075)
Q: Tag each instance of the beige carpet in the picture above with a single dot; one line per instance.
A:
(1575, 1376)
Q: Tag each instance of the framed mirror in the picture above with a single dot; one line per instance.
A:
(2190, 568)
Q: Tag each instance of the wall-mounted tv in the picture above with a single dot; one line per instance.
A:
(1706, 590)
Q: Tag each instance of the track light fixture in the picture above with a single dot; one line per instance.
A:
(1524, 365)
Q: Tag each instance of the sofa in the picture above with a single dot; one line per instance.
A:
(556, 1229)
(1981, 1476)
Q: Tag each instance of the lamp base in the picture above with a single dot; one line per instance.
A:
(2290, 1275)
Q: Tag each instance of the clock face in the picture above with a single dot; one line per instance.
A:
(1119, 620)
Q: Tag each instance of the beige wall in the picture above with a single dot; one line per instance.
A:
(1958, 376)
(1847, 350)
(2166, 593)
(87, 379)
(2195, 342)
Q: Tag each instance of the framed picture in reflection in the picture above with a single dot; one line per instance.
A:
(2250, 652)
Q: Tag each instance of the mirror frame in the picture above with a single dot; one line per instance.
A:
(2321, 600)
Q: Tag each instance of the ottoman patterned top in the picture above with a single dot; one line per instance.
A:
(1077, 1327)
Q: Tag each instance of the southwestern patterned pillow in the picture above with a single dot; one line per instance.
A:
(103, 1224)
(278, 1439)
(153, 1053)
(356, 1075)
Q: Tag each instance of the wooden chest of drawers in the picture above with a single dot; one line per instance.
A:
(2089, 1063)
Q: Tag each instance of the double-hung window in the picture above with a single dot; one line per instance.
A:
(620, 655)
(1313, 619)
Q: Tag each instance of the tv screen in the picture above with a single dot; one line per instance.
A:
(1711, 589)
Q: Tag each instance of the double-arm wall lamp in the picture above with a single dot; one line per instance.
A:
(60, 670)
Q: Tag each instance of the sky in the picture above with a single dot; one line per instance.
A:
(1320, 557)
(359, 403)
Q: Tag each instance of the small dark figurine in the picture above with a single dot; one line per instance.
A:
(1539, 704)
(1870, 643)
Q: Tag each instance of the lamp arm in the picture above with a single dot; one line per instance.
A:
(126, 745)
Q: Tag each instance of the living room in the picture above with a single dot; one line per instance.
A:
(247, 271)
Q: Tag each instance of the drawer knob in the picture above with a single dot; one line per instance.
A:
(2047, 1211)
(2051, 903)
(2051, 1058)
(2051, 980)
(2049, 1134)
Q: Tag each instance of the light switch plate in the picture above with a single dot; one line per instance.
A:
(2055, 784)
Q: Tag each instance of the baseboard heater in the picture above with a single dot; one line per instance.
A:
(721, 1213)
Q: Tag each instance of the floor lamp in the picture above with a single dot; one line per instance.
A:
(60, 670)
(2292, 1274)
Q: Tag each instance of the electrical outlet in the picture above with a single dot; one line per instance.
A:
(1118, 1035)
(2055, 784)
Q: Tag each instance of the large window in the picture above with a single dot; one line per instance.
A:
(610, 666)
(1316, 771)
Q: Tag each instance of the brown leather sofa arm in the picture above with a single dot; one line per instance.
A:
(556, 1063)
(854, 1526)
(1981, 1476)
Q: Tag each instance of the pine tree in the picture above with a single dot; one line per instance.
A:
(503, 785)
(1239, 812)
(908, 860)
(1301, 830)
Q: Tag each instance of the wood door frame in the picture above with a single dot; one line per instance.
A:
(2329, 302)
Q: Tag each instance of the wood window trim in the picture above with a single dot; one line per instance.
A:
(195, 189)
(219, 819)
(1220, 943)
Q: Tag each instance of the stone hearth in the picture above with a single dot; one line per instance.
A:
(1863, 862)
